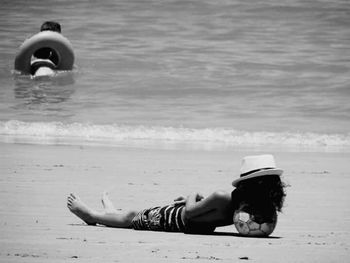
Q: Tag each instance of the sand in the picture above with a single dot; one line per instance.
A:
(36, 226)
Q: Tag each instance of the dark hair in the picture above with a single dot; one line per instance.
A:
(51, 26)
(261, 195)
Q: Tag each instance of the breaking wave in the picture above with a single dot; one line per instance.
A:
(114, 134)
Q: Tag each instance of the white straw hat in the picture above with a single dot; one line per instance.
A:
(257, 165)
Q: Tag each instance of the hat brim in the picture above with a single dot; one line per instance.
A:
(274, 171)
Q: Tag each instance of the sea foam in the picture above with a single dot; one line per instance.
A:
(114, 134)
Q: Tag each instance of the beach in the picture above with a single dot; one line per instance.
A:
(165, 99)
(36, 225)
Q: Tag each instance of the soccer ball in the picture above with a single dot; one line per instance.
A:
(246, 225)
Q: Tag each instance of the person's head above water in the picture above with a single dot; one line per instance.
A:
(51, 26)
(47, 52)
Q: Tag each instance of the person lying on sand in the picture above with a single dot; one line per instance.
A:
(259, 188)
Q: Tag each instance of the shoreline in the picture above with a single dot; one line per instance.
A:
(36, 225)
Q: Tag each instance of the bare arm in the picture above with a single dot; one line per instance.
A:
(217, 205)
(196, 205)
(180, 200)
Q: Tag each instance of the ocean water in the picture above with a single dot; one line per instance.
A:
(207, 74)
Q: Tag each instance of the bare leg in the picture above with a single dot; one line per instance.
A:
(91, 217)
(107, 203)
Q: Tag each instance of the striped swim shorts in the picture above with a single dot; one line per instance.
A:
(166, 218)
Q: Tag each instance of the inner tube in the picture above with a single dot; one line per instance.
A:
(60, 45)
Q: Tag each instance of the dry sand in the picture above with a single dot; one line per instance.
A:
(36, 226)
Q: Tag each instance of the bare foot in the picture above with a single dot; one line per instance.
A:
(107, 204)
(80, 209)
